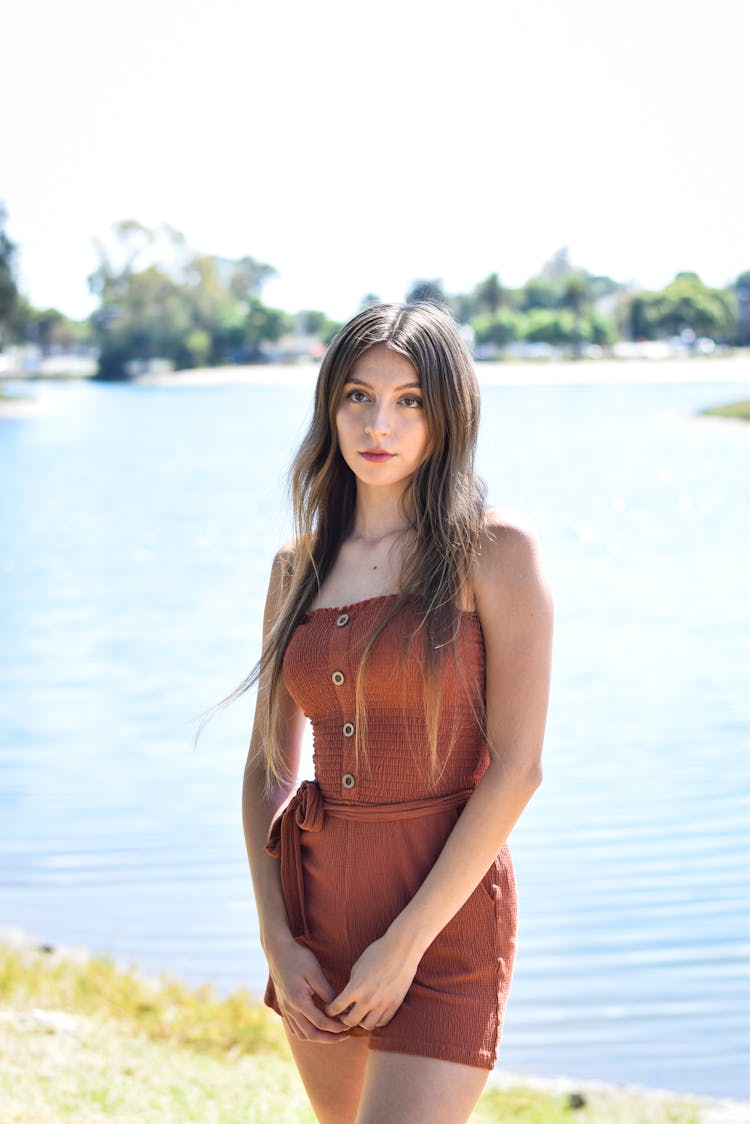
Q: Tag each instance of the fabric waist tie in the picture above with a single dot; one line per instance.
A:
(307, 810)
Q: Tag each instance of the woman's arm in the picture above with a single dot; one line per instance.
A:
(296, 973)
(515, 610)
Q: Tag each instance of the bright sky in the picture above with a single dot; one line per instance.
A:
(358, 146)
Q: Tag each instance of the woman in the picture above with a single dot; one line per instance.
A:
(414, 628)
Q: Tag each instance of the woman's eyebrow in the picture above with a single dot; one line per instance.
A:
(366, 385)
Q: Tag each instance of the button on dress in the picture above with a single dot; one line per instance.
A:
(356, 844)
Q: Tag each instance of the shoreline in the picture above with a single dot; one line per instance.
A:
(23, 405)
(713, 1110)
(592, 372)
(47, 1007)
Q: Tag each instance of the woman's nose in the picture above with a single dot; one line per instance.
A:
(377, 422)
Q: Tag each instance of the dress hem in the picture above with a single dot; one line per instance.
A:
(439, 1051)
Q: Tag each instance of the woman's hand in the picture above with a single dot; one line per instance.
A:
(302, 992)
(377, 985)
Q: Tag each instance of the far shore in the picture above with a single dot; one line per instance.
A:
(30, 397)
(594, 372)
(730, 411)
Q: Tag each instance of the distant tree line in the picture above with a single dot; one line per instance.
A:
(570, 308)
(157, 299)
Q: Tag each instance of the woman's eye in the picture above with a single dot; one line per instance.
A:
(357, 396)
(412, 401)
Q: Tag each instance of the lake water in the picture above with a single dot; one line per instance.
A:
(137, 526)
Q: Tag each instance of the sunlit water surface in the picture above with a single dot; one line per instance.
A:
(136, 530)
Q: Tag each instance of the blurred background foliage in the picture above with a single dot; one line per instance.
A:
(159, 300)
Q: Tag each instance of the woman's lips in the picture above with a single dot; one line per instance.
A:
(377, 456)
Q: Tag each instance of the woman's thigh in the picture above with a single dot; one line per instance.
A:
(333, 1074)
(403, 1089)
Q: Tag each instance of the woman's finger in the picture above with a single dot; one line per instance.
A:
(386, 1016)
(313, 1010)
(319, 983)
(306, 1030)
(361, 1014)
(378, 1016)
(343, 1004)
(292, 1025)
(352, 1015)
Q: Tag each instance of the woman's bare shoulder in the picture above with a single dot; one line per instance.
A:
(508, 568)
(285, 556)
(509, 539)
(282, 572)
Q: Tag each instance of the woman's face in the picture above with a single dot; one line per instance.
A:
(380, 421)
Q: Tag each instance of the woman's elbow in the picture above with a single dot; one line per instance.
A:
(534, 776)
(526, 773)
(523, 773)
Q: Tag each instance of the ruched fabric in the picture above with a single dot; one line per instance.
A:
(355, 844)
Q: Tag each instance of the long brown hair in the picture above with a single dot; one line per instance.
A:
(443, 503)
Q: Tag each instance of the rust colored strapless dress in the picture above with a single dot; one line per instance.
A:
(356, 843)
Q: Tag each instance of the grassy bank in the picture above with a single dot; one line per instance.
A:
(18, 405)
(84, 1040)
(14, 396)
(739, 411)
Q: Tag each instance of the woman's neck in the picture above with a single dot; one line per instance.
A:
(378, 516)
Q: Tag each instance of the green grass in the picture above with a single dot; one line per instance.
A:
(165, 1010)
(740, 411)
(83, 1040)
